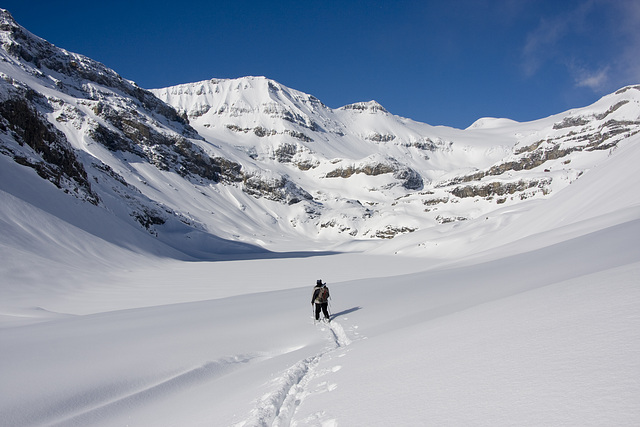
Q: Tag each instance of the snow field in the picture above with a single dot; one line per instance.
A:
(540, 328)
(520, 339)
(555, 355)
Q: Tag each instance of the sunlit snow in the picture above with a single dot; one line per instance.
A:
(524, 313)
(542, 328)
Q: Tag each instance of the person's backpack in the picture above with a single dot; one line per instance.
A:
(323, 295)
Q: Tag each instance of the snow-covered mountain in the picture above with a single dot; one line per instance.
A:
(485, 276)
(377, 175)
(208, 165)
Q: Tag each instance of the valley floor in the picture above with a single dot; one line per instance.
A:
(545, 337)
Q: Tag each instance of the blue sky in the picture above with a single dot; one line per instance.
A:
(444, 62)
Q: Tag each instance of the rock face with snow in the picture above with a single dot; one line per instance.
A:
(435, 174)
(251, 160)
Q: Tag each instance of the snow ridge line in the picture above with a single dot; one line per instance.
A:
(276, 409)
(213, 369)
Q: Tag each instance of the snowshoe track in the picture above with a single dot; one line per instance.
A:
(276, 409)
(339, 335)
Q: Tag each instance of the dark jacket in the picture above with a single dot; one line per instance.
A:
(316, 294)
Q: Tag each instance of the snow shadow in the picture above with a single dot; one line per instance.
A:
(343, 312)
(266, 254)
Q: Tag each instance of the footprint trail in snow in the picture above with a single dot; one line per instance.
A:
(276, 408)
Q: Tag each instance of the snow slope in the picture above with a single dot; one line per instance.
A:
(498, 339)
(450, 175)
(541, 331)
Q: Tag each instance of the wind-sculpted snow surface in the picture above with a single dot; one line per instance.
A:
(516, 340)
(538, 330)
(171, 352)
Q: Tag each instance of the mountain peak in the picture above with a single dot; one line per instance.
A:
(6, 18)
(491, 123)
(370, 106)
(10, 30)
(246, 102)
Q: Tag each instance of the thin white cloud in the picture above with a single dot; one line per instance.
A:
(617, 65)
(540, 44)
(597, 81)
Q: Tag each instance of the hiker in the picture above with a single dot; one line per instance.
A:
(321, 299)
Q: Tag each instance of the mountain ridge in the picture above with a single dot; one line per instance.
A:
(251, 161)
